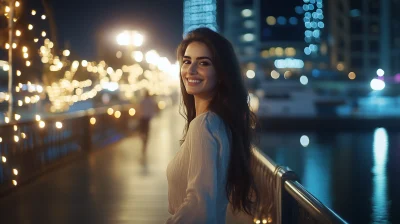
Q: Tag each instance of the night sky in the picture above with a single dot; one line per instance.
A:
(86, 24)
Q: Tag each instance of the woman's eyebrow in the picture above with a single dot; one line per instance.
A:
(198, 58)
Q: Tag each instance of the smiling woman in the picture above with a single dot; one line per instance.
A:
(212, 167)
(198, 75)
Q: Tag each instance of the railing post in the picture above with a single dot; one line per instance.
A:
(87, 134)
(288, 215)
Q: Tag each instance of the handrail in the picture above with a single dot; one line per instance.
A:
(268, 162)
(316, 208)
(286, 191)
(265, 177)
(29, 148)
(75, 114)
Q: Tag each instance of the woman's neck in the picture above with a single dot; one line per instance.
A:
(201, 104)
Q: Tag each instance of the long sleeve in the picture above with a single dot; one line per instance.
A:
(200, 203)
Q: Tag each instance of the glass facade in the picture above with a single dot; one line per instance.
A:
(199, 13)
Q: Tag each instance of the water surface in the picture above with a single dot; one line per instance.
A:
(355, 174)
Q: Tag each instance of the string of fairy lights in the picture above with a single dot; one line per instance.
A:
(160, 78)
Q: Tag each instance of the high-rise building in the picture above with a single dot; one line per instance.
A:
(339, 35)
(279, 38)
(199, 13)
(372, 30)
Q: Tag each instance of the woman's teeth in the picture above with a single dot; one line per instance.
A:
(193, 81)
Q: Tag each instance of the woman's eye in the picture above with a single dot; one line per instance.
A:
(205, 63)
(186, 62)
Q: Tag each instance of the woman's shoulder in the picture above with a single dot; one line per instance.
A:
(208, 117)
(209, 121)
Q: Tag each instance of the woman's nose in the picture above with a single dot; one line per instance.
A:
(193, 69)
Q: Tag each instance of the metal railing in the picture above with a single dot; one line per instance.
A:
(284, 199)
(29, 148)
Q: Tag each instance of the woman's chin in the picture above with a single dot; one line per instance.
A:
(190, 92)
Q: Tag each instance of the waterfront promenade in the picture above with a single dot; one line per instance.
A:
(113, 184)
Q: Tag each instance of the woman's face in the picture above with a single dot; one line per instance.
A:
(197, 71)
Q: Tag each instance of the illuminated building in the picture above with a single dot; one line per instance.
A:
(340, 54)
(285, 36)
(199, 13)
(372, 31)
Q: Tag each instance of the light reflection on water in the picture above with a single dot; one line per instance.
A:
(320, 168)
(379, 183)
(355, 174)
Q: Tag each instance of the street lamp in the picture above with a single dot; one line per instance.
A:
(130, 38)
(377, 84)
(380, 72)
(152, 57)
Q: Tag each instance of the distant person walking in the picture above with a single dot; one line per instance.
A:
(148, 109)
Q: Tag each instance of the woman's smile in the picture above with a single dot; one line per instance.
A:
(193, 82)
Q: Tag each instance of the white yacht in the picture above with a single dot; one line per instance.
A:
(292, 99)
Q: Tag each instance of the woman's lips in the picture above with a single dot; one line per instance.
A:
(193, 82)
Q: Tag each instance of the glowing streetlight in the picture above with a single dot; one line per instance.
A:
(130, 38)
(250, 74)
(66, 53)
(163, 64)
(117, 114)
(59, 125)
(377, 84)
(42, 124)
(152, 57)
(137, 55)
(380, 72)
(304, 80)
(304, 140)
(132, 111)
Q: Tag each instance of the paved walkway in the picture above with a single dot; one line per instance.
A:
(112, 185)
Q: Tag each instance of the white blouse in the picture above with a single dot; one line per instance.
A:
(198, 172)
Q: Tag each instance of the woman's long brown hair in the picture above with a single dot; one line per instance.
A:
(230, 102)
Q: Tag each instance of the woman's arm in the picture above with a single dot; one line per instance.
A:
(201, 194)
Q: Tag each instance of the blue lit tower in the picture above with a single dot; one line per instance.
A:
(199, 13)
(313, 22)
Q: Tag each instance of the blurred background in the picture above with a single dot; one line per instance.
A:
(323, 77)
